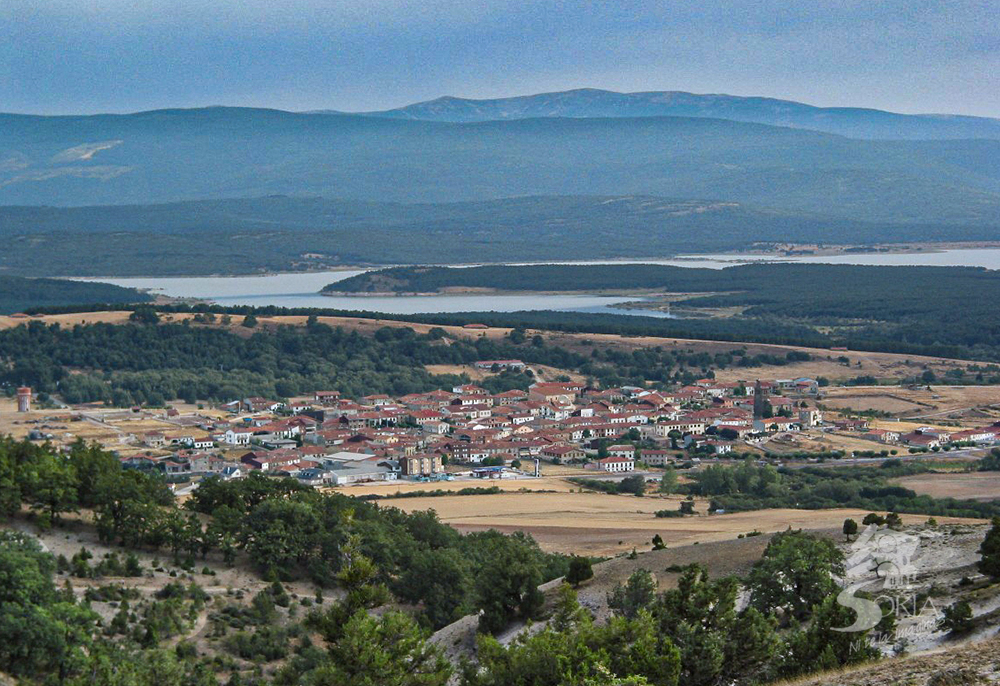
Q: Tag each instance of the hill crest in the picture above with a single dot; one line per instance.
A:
(855, 122)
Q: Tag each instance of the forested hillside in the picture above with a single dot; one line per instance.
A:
(390, 577)
(18, 294)
(285, 233)
(151, 363)
(851, 285)
(871, 308)
(277, 528)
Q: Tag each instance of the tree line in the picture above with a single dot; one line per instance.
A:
(18, 293)
(148, 361)
(754, 487)
(285, 529)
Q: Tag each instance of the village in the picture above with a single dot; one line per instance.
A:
(466, 433)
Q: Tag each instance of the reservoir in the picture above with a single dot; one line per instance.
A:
(295, 289)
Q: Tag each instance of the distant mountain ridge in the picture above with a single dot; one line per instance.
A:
(211, 153)
(854, 122)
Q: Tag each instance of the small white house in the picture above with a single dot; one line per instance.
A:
(616, 464)
(238, 436)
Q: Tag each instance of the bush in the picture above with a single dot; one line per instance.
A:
(957, 618)
(954, 676)
(266, 644)
(580, 569)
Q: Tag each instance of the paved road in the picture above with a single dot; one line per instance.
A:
(606, 476)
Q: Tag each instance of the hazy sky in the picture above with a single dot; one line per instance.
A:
(82, 56)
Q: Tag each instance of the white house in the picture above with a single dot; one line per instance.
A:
(616, 464)
(237, 436)
(625, 450)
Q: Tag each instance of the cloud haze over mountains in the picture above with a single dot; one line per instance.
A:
(117, 56)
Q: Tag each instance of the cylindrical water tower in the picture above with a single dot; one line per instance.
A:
(24, 399)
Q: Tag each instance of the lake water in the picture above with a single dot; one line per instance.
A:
(964, 257)
(302, 289)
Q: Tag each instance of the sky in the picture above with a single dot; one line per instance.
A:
(87, 56)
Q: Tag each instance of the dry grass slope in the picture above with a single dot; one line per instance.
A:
(967, 665)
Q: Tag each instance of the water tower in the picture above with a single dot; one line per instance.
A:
(24, 399)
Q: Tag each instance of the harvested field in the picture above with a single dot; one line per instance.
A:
(513, 485)
(880, 402)
(600, 524)
(467, 369)
(8, 322)
(969, 405)
(974, 486)
(542, 372)
(565, 470)
(815, 441)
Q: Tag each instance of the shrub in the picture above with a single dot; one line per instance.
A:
(580, 569)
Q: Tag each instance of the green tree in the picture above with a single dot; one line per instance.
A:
(820, 647)
(636, 594)
(698, 616)
(51, 486)
(93, 467)
(10, 484)
(358, 577)
(144, 314)
(751, 647)
(437, 578)
(668, 482)
(127, 507)
(893, 521)
(991, 462)
(580, 570)
(989, 563)
(795, 573)
(509, 589)
(572, 650)
(40, 631)
(249, 321)
(279, 535)
(390, 649)
(635, 484)
(957, 618)
(850, 528)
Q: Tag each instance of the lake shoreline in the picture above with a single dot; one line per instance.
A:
(301, 289)
(789, 251)
(458, 291)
